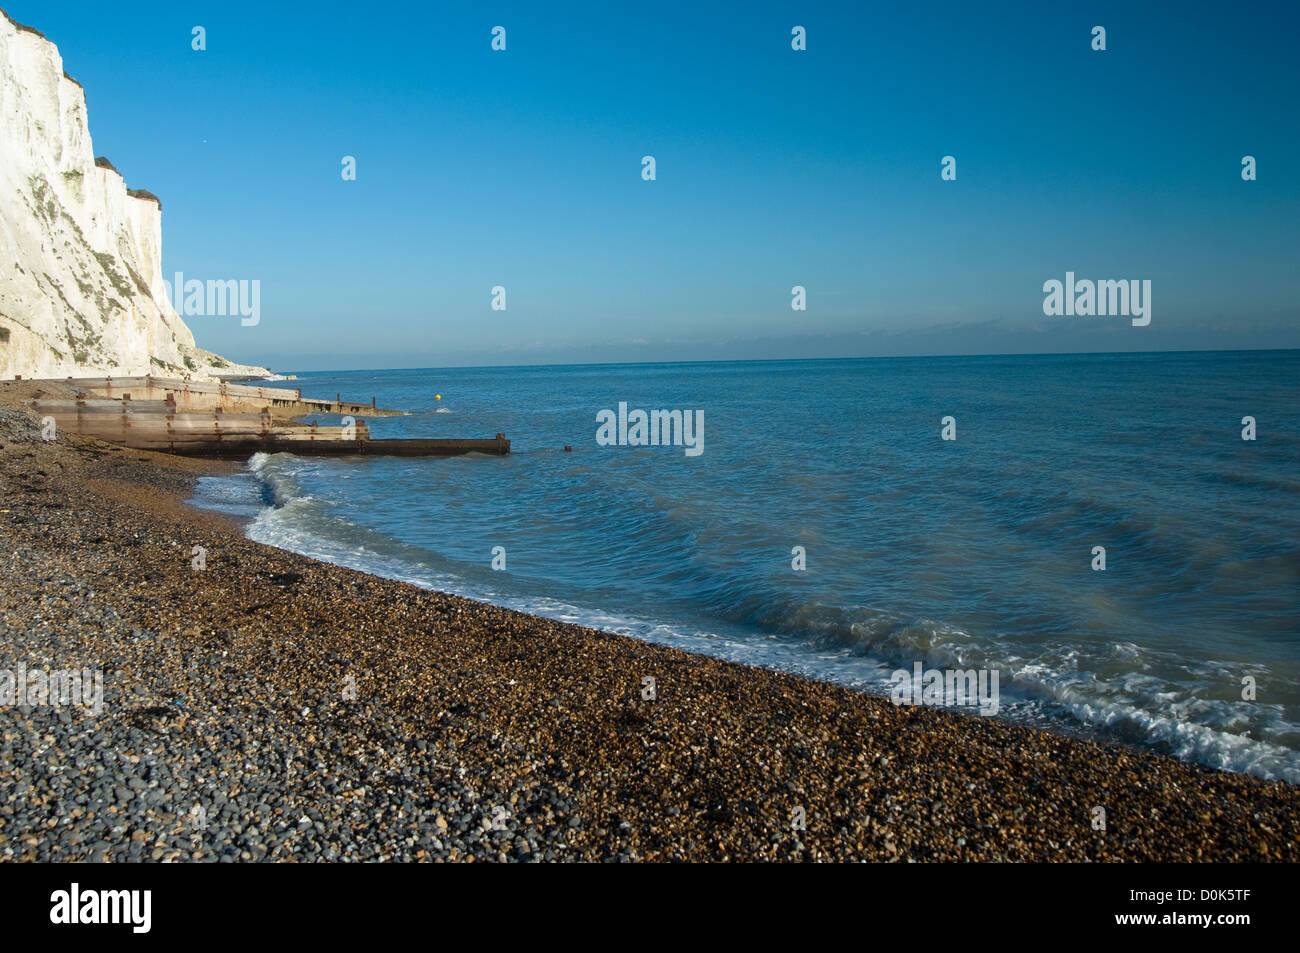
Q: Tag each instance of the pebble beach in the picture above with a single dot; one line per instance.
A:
(270, 707)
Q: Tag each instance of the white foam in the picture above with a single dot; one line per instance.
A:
(865, 645)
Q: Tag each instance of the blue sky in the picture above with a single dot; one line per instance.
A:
(775, 168)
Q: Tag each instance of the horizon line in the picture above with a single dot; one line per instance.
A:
(794, 360)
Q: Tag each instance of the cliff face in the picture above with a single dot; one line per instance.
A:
(81, 285)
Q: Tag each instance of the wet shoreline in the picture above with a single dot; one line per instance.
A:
(302, 711)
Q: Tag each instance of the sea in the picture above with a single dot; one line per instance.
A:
(823, 525)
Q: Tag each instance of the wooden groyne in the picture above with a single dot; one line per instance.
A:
(209, 396)
(227, 420)
(241, 447)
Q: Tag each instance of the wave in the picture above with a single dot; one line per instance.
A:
(1116, 691)
(1112, 689)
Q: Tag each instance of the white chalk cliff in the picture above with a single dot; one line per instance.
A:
(81, 285)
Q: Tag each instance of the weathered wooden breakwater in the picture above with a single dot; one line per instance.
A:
(203, 419)
(210, 395)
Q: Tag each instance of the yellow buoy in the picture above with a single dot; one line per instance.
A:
(439, 396)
